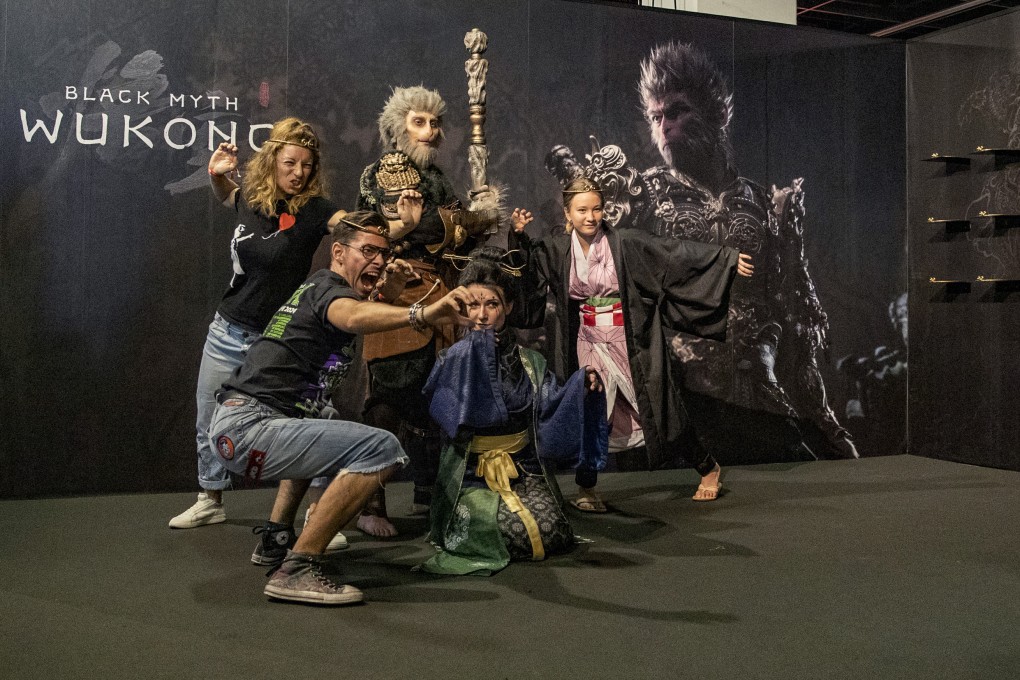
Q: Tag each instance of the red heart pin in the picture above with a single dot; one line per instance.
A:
(286, 221)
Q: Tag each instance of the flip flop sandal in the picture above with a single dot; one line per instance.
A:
(589, 504)
(711, 493)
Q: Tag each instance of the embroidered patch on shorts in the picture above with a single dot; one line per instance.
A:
(235, 402)
(253, 471)
(225, 446)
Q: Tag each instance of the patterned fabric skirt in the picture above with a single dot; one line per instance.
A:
(483, 535)
(557, 535)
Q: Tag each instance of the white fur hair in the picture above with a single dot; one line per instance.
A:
(392, 120)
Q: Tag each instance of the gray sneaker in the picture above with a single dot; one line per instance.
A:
(204, 511)
(300, 578)
(275, 541)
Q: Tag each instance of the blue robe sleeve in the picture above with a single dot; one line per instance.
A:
(572, 427)
(463, 389)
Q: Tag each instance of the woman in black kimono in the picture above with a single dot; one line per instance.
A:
(616, 293)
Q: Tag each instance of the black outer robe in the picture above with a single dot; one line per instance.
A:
(664, 284)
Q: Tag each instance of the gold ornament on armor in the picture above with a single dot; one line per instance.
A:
(395, 173)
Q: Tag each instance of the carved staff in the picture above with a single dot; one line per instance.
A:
(476, 67)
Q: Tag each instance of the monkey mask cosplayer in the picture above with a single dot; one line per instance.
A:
(411, 130)
(502, 414)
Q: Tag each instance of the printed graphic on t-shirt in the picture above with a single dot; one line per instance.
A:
(238, 269)
(278, 324)
(332, 373)
(286, 222)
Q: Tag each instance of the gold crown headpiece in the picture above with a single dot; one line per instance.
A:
(460, 262)
(307, 142)
(376, 229)
(585, 186)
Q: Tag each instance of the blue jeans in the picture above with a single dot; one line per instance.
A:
(225, 348)
(262, 444)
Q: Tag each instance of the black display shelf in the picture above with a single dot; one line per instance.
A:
(1002, 289)
(1002, 220)
(948, 159)
(951, 224)
(952, 286)
(1002, 156)
(988, 279)
(1003, 152)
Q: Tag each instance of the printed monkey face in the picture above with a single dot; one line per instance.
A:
(679, 129)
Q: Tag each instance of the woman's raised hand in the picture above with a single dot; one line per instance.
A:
(223, 160)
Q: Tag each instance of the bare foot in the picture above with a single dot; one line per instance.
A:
(708, 489)
(374, 525)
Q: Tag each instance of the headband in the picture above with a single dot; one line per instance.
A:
(587, 186)
(307, 142)
(377, 230)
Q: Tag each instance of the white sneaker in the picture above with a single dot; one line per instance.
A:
(338, 542)
(204, 511)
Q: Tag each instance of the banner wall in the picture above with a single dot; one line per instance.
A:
(114, 255)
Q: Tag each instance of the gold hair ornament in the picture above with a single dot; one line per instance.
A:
(587, 186)
(307, 142)
(374, 229)
(460, 263)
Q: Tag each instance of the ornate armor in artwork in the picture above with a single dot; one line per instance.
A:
(741, 371)
(776, 324)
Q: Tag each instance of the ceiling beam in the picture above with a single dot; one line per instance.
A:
(949, 11)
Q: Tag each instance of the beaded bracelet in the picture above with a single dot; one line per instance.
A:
(416, 317)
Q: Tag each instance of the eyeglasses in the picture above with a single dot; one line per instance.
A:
(370, 252)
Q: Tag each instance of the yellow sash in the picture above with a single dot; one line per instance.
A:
(496, 466)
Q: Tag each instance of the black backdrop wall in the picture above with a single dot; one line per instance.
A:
(964, 92)
(113, 254)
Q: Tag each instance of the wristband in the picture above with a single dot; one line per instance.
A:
(416, 317)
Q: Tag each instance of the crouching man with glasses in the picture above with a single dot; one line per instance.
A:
(269, 422)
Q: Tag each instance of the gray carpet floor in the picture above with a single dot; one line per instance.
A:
(897, 567)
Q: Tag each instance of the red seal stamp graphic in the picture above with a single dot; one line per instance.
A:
(225, 447)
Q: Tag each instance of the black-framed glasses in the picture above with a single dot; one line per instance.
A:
(370, 252)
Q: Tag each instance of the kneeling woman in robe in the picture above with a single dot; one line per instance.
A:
(502, 413)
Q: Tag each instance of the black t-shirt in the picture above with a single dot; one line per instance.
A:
(271, 257)
(301, 357)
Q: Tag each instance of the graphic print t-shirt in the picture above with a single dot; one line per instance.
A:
(301, 357)
(271, 257)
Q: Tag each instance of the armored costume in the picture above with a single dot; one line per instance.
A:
(776, 324)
